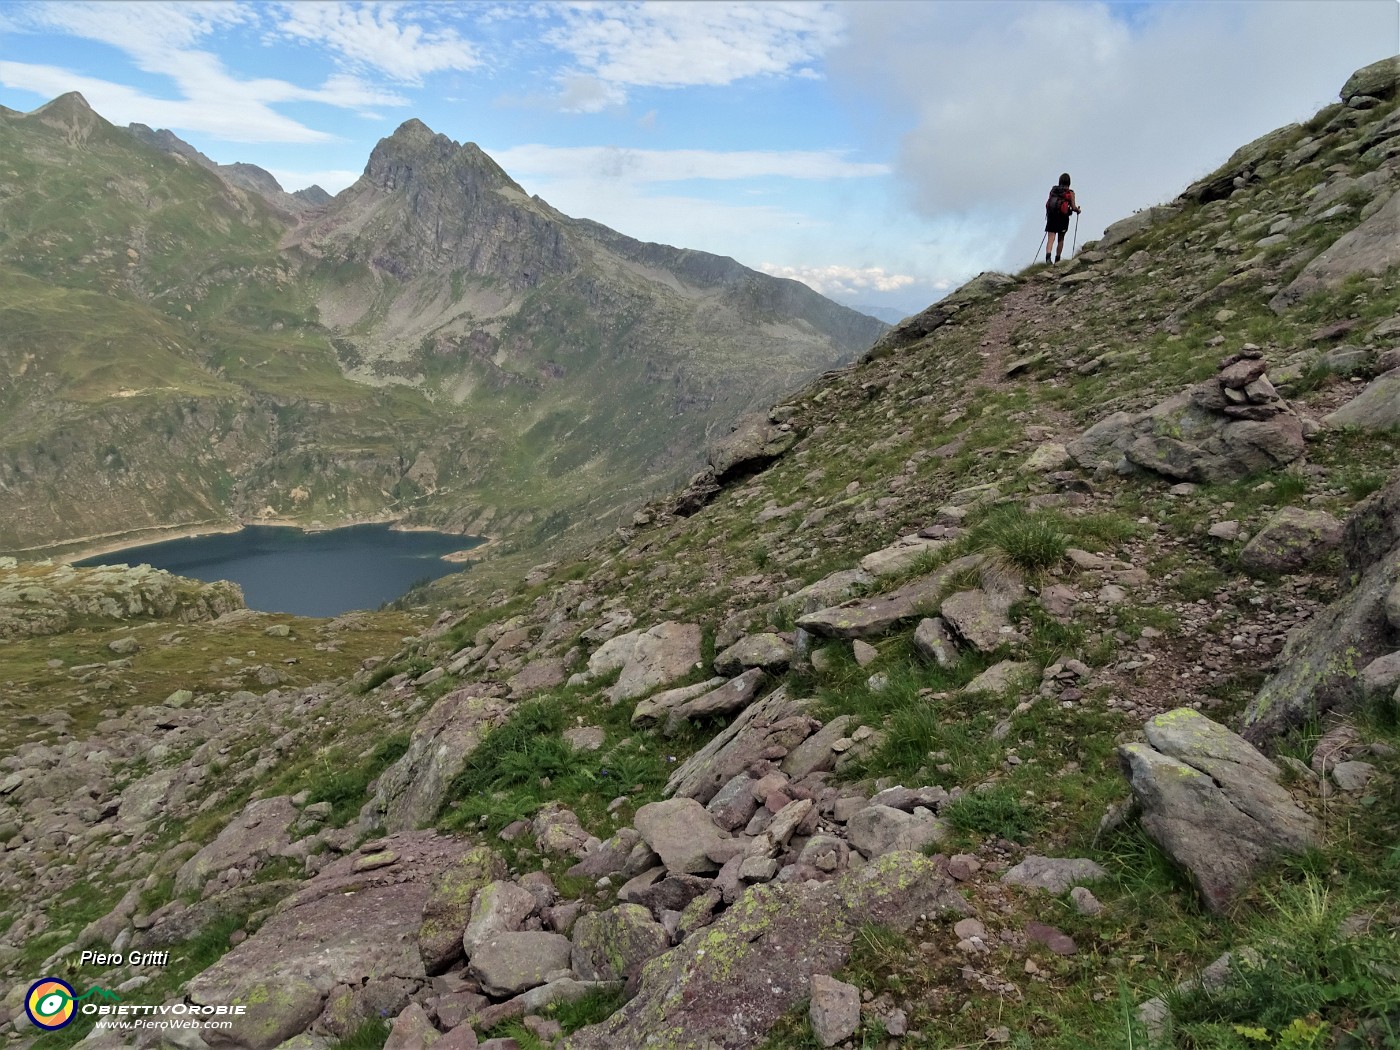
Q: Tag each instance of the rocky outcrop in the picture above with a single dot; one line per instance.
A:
(260, 831)
(1226, 428)
(1373, 247)
(48, 599)
(647, 659)
(726, 985)
(755, 442)
(412, 790)
(1321, 662)
(1213, 803)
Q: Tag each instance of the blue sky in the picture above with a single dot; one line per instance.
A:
(882, 152)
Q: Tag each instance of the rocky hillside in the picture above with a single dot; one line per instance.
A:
(1031, 682)
(186, 345)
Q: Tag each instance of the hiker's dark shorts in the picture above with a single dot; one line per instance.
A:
(1057, 224)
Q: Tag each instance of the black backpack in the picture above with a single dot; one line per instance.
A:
(1058, 202)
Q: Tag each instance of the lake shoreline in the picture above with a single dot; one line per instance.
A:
(84, 547)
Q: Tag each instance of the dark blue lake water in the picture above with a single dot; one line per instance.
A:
(306, 573)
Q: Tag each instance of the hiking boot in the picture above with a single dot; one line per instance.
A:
(1047, 258)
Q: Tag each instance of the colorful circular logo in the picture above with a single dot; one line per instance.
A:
(49, 1003)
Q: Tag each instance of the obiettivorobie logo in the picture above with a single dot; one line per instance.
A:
(52, 1004)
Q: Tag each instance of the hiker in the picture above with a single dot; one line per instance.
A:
(1058, 207)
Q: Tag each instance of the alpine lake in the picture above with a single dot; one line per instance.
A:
(320, 573)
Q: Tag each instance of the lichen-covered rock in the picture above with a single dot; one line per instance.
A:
(1213, 803)
(728, 983)
(449, 906)
(498, 907)
(1291, 539)
(610, 945)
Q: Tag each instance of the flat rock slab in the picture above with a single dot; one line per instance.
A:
(1053, 874)
(878, 830)
(899, 557)
(874, 617)
(1373, 247)
(727, 984)
(1213, 803)
(259, 831)
(344, 928)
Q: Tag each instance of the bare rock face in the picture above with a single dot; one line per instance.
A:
(1373, 247)
(261, 830)
(1213, 803)
(344, 929)
(412, 790)
(728, 983)
(1319, 665)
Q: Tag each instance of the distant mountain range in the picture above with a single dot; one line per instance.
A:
(183, 343)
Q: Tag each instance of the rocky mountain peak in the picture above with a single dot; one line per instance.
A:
(70, 114)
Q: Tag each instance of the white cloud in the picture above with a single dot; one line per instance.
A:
(162, 39)
(378, 36)
(645, 165)
(843, 280)
(678, 44)
(994, 101)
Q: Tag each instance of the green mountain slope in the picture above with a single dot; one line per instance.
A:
(184, 345)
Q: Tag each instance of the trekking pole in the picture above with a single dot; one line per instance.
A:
(1036, 257)
(1075, 241)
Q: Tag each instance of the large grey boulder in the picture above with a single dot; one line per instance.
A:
(498, 907)
(877, 830)
(834, 1010)
(1201, 434)
(1377, 407)
(409, 793)
(681, 833)
(1373, 247)
(766, 651)
(1378, 80)
(980, 619)
(727, 985)
(647, 658)
(1053, 874)
(726, 699)
(1213, 803)
(611, 945)
(754, 443)
(1290, 540)
(260, 831)
(874, 617)
(511, 963)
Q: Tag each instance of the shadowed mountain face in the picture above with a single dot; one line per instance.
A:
(187, 343)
